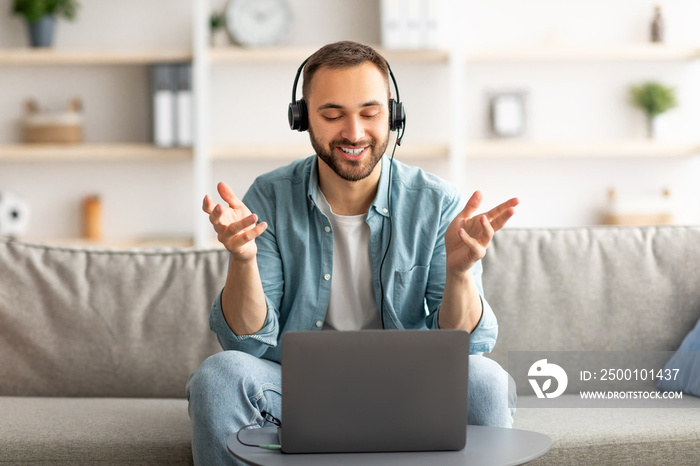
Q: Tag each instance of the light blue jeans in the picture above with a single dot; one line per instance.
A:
(230, 390)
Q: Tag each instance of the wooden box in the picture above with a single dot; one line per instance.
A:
(53, 128)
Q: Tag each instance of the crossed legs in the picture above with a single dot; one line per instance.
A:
(230, 389)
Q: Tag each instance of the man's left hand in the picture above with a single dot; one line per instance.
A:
(468, 236)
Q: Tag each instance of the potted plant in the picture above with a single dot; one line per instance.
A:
(654, 99)
(41, 17)
(217, 23)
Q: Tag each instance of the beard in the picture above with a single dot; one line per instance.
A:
(347, 169)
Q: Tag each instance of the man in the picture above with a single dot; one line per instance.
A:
(322, 244)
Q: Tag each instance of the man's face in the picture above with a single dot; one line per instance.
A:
(349, 119)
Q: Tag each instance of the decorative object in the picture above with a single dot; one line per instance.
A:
(657, 25)
(92, 217)
(507, 115)
(654, 99)
(14, 214)
(54, 127)
(217, 29)
(41, 17)
(639, 210)
(686, 363)
(258, 22)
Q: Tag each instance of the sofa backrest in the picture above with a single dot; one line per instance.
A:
(114, 323)
(104, 323)
(600, 288)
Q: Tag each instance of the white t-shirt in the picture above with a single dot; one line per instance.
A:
(352, 305)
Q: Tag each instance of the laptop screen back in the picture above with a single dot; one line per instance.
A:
(374, 390)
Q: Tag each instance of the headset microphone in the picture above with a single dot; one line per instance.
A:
(298, 114)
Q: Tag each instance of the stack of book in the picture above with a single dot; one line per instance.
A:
(172, 106)
(413, 24)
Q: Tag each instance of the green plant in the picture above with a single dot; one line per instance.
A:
(216, 21)
(653, 98)
(32, 10)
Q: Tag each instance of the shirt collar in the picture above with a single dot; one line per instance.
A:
(381, 200)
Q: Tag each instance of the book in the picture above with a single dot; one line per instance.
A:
(184, 106)
(163, 82)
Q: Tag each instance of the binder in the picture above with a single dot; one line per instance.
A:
(393, 25)
(163, 104)
(413, 24)
(184, 106)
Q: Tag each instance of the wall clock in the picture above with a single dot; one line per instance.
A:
(258, 22)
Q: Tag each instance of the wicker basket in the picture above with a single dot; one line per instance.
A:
(53, 134)
(53, 128)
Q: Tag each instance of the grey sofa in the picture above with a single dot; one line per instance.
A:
(96, 345)
(630, 291)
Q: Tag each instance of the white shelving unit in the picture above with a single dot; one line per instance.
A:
(455, 151)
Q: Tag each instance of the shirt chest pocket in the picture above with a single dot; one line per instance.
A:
(409, 295)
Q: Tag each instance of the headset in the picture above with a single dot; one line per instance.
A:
(298, 114)
(298, 117)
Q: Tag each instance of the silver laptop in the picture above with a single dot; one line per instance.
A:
(374, 391)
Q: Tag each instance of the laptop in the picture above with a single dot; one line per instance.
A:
(374, 391)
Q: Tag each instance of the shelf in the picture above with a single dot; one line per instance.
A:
(289, 152)
(622, 148)
(631, 52)
(232, 55)
(90, 152)
(116, 243)
(58, 56)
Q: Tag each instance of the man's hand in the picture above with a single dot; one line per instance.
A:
(468, 236)
(234, 224)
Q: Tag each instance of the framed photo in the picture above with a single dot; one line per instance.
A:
(507, 114)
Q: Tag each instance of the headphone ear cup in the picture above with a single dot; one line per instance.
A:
(298, 116)
(397, 116)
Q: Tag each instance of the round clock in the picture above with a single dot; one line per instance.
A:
(258, 22)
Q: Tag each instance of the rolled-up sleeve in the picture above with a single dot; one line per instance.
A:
(255, 344)
(483, 338)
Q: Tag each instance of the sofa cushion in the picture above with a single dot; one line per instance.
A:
(616, 436)
(687, 361)
(41, 431)
(599, 288)
(106, 323)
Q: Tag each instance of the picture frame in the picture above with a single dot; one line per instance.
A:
(508, 114)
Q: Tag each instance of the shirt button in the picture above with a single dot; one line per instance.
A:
(385, 210)
(328, 229)
(327, 277)
(319, 324)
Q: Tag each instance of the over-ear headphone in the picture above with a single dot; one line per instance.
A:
(298, 113)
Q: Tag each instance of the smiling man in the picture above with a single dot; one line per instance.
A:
(347, 239)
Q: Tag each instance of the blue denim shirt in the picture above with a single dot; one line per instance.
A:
(295, 255)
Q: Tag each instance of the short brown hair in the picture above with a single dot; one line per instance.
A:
(341, 55)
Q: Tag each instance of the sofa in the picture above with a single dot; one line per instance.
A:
(96, 345)
(609, 292)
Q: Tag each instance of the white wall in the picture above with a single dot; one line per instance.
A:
(567, 101)
(585, 101)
